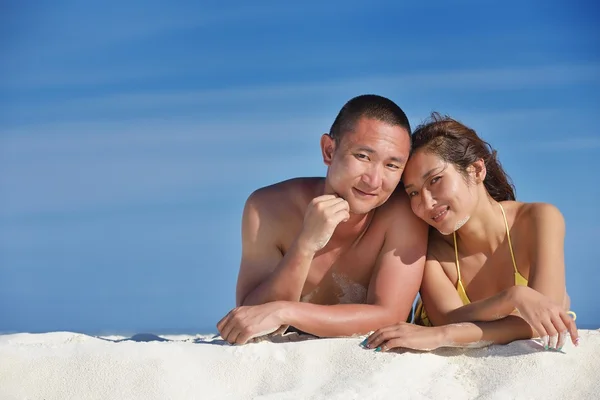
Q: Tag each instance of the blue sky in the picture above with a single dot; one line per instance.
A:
(132, 132)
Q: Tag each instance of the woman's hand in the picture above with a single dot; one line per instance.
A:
(550, 320)
(405, 335)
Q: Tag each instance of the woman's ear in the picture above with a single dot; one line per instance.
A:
(478, 171)
(327, 148)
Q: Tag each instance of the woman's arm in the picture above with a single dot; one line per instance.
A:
(464, 334)
(540, 304)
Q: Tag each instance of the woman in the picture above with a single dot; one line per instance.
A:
(491, 260)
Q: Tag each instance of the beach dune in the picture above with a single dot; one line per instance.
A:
(65, 365)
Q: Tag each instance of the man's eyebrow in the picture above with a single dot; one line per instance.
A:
(426, 175)
(399, 160)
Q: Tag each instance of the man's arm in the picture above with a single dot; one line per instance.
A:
(392, 289)
(265, 274)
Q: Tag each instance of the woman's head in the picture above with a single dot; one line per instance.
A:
(450, 171)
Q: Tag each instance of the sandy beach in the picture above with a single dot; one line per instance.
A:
(65, 365)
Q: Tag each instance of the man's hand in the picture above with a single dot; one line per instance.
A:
(247, 322)
(323, 215)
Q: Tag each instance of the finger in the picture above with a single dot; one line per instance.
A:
(375, 335)
(324, 197)
(221, 324)
(571, 327)
(541, 333)
(233, 336)
(373, 338)
(247, 334)
(333, 206)
(341, 216)
(384, 336)
(392, 344)
(228, 328)
(553, 342)
(328, 202)
(551, 332)
(562, 332)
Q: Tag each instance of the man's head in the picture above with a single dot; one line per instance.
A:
(365, 151)
(370, 106)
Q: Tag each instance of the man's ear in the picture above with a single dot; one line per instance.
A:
(327, 148)
(478, 171)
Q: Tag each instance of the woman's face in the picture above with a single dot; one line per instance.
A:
(439, 194)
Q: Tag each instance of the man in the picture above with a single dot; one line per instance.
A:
(339, 255)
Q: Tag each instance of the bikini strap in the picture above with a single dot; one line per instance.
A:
(512, 254)
(456, 256)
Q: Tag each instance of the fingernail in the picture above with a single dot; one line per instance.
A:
(378, 349)
(559, 349)
(545, 347)
(364, 343)
(577, 341)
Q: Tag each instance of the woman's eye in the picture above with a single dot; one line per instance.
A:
(412, 194)
(435, 179)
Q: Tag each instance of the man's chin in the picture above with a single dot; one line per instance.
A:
(363, 208)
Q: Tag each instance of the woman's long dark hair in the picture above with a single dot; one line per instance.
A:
(458, 144)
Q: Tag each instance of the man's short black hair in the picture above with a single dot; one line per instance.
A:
(369, 106)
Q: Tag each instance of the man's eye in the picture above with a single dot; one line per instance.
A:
(393, 166)
(362, 156)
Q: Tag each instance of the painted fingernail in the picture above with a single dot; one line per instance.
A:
(546, 347)
(364, 343)
(559, 349)
(378, 349)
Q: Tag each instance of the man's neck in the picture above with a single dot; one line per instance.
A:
(352, 230)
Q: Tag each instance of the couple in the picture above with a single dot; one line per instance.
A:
(346, 254)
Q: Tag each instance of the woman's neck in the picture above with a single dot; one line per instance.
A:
(484, 231)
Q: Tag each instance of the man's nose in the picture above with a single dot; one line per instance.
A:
(373, 176)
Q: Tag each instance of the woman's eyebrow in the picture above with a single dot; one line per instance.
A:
(426, 175)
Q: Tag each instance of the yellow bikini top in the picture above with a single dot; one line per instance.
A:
(519, 279)
(421, 317)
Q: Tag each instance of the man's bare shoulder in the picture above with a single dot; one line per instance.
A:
(441, 247)
(282, 197)
(396, 208)
(396, 218)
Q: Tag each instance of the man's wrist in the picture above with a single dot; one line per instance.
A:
(446, 334)
(285, 312)
(303, 248)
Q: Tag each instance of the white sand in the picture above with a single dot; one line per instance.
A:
(64, 365)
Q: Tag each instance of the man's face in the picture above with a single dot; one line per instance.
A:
(367, 164)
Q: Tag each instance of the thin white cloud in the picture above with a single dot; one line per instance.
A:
(410, 84)
(65, 168)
